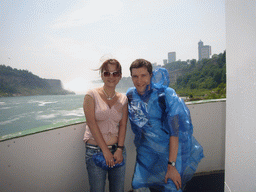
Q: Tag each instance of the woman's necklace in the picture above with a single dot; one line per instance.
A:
(108, 98)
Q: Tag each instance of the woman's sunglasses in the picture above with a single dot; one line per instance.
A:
(107, 74)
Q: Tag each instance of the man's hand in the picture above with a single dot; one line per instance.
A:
(174, 175)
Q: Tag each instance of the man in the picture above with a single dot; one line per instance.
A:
(163, 131)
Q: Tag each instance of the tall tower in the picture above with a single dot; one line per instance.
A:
(171, 57)
(200, 45)
(204, 51)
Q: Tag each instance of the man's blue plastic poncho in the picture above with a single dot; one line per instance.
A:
(154, 117)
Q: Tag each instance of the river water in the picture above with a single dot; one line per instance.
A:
(21, 113)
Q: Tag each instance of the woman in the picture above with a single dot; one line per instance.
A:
(106, 115)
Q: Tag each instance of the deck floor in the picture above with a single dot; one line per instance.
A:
(213, 182)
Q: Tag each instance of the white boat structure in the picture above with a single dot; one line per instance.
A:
(53, 158)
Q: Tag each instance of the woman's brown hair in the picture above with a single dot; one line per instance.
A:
(104, 66)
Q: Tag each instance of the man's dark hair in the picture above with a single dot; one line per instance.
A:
(138, 63)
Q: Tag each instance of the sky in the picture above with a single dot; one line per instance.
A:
(69, 39)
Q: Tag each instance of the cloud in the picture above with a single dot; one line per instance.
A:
(76, 49)
(90, 12)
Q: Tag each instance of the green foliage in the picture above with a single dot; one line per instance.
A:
(124, 84)
(205, 79)
(15, 82)
(177, 65)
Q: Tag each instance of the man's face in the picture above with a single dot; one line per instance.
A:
(141, 78)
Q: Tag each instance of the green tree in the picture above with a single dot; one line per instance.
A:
(205, 76)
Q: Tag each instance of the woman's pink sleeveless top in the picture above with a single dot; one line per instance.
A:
(107, 118)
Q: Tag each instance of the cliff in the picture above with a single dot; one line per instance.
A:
(14, 82)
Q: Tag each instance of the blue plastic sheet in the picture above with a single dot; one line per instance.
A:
(100, 161)
(154, 117)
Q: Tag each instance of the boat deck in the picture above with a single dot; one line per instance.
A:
(204, 182)
(212, 182)
(53, 159)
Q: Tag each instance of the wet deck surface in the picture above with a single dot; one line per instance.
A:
(210, 182)
(213, 182)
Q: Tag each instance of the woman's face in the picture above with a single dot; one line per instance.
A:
(111, 76)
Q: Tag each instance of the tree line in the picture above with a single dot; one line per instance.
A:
(205, 79)
(15, 82)
(196, 80)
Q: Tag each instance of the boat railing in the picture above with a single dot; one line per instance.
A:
(53, 158)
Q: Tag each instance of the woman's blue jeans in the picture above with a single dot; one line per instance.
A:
(97, 176)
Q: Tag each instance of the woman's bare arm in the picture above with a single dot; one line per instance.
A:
(121, 134)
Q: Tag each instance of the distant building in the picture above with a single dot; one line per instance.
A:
(204, 51)
(155, 65)
(165, 61)
(171, 57)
